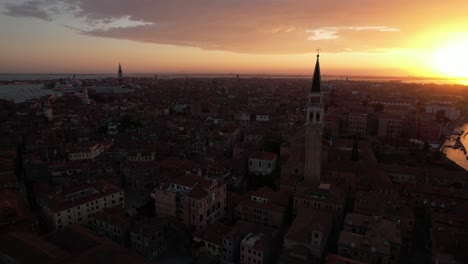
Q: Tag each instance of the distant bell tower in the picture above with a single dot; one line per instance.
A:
(314, 127)
(120, 75)
(48, 110)
(120, 71)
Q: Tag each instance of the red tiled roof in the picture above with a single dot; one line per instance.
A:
(306, 222)
(17, 243)
(113, 215)
(198, 193)
(213, 233)
(58, 201)
(188, 180)
(148, 227)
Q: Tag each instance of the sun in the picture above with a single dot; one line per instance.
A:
(451, 59)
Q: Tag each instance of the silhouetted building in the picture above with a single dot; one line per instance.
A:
(314, 127)
(120, 74)
(194, 200)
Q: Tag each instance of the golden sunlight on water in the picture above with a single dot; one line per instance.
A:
(457, 155)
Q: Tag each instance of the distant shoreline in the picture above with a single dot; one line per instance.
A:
(407, 79)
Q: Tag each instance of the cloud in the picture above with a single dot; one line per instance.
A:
(322, 34)
(254, 26)
(28, 9)
(331, 32)
(70, 14)
(283, 28)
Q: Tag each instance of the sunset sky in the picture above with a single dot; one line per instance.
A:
(357, 37)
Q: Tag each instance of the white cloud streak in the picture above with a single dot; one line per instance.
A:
(326, 33)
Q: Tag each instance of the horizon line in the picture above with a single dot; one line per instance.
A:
(254, 74)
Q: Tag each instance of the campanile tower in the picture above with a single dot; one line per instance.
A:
(314, 127)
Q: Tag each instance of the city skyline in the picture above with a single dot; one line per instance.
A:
(278, 37)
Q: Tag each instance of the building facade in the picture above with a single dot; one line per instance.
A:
(326, 198)
(263, 163)
(374, 240)
(79, 204)
(194, 200)
(449, 110)
(307, 238)
(255, 248)
(88, 152)
(263, 207)
(357, 124)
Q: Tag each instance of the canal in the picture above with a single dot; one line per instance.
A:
(457, 155)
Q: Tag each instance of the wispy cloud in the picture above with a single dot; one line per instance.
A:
(322, 34)
(326, 33)
(283, 29)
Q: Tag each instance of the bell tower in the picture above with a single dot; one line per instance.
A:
(314, 127)
(120, 74)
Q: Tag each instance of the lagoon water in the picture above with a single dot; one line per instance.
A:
(422, 80)
(23, 92)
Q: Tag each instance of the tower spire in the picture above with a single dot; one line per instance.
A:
(120, 71)
(316, 80)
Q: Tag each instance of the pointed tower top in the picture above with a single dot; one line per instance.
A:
(316, 80)
(120, 71)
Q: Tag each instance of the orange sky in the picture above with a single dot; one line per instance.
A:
(358, 37)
